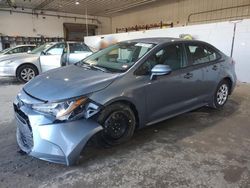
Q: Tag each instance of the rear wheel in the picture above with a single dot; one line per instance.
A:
(221, 94)
(118, 122)
(26, 72)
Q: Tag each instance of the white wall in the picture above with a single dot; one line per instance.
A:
(177, 11)
(205, 32)
(241, 52)
(218, 34)
(17, 24)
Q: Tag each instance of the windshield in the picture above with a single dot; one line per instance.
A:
(41, 48)
(119, 57)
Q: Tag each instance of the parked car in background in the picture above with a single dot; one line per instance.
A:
(43, 58)
(18, 49)
(116, 90)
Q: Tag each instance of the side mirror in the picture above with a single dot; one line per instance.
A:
(43, 53)
(160, 70)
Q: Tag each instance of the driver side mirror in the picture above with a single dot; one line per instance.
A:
(160, 70)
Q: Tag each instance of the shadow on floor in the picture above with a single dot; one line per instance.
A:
(9, 81)
(169, 131)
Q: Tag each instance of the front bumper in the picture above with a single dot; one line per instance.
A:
(39, 137)
(7, 71)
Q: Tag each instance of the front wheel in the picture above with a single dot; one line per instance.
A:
(118, 121)
(221, 94)
(26, 72)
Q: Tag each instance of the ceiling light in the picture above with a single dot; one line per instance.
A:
(77, 3)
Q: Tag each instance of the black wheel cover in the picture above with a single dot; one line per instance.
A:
(116, 124)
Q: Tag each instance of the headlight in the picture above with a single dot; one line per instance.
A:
(62, 110)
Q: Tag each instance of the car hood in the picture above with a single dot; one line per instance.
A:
(68, 82)
(14, 57)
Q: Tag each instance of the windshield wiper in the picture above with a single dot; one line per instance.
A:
(99, 68)
(83, 64)
(96, 67)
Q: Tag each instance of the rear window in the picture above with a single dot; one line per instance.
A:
(200, 54)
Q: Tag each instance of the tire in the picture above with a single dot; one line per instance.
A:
(221, 95)
(118, 121)
(26, 72)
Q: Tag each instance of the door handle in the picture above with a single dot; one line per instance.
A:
(215, 67)
(188, 75)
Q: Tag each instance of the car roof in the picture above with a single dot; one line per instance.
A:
(162, 40)
(70, 42)
(24, 45)
(157, 40)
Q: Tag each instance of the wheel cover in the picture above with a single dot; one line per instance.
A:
(27, 74)
(222, 94)
(116, 124)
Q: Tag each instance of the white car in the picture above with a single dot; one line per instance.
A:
(17, 49)
(45, 57)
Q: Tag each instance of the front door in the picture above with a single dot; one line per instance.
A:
(51, 59)
(174, 93)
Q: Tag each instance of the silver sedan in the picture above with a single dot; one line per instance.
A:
(17, 49)
(46, 57)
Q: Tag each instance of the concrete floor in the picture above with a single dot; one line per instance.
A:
(204, 148)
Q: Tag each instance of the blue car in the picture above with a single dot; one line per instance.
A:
(117, 90)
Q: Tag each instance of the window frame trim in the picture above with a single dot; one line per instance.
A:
(204, 45)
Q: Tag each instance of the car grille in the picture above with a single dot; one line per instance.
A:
(24, 131)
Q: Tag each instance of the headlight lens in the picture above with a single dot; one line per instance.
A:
(62, 110)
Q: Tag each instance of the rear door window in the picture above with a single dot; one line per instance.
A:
(200, 54)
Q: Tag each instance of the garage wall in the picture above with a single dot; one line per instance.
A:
(206, 32)
(17, 24)
(241, 50)
(177, 11)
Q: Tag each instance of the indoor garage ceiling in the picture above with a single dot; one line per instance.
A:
(94, 7)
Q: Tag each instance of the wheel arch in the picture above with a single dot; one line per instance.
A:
(230, 82)
(130, 104)
(27, 63)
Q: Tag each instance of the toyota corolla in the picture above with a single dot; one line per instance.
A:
(117, 90)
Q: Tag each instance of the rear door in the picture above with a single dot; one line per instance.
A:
(51, 59)
(204, 57)
(77, 52)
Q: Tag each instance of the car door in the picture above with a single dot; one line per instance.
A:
(77, 52)
(204, 57)
(51, 58)
(174, 93)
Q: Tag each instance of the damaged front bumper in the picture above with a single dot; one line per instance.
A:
(39, 137)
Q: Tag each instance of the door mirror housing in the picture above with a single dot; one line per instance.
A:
(43, 53)
(160, 70)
